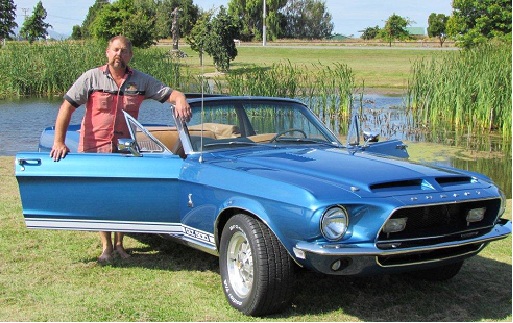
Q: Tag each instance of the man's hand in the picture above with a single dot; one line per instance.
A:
(182, 108)
(59, 150)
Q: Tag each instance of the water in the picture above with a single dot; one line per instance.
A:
(22, 120)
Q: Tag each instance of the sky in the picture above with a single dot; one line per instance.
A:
(349, 16)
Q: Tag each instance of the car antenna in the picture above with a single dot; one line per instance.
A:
(201, 112)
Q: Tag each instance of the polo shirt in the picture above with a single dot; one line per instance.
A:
(103, 123)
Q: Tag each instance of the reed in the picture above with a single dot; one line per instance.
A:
(327, 90)
(468, 90)
(44, 69)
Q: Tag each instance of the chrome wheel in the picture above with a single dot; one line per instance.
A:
(256, 271)
(239, 263)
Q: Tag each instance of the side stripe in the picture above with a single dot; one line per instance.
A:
(175, 229)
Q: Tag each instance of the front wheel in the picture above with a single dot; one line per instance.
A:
(257, 272)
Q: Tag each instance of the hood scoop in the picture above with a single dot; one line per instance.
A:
(453, 180)
(412, 184)
(420, 184)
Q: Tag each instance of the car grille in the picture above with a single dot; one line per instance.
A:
(428, 256)
(433, 224)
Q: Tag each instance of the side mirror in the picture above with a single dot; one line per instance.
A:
(369, 136)
(128, 146)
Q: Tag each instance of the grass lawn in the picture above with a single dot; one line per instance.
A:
(375, 67)
(53, 276)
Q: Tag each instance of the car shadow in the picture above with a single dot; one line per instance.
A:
(482, 291)
(162, 254)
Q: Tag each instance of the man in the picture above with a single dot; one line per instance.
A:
(107, 91)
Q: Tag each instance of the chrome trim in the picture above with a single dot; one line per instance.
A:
(429, 261)
(187, 146)
(369, 249)
(129, 118)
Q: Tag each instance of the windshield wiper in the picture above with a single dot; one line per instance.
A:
(231, 143)
(305, 141)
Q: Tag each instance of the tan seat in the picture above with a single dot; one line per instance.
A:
(170, 138)
(220, 131)
(263, 137)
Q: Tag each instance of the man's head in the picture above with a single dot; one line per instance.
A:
(119, 52)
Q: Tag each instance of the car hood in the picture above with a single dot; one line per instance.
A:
(358, 173)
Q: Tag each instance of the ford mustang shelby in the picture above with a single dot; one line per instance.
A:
(263, 184)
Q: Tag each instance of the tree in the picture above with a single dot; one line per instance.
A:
(476, 21)
(436, 27)
(124, 17)
(7, 19)
(395, 28)
(370, 33)
(76, 33)
(250, 14)
(198, 37)
(307, 19)
(91, 15)
(35, 27)
(215, 35)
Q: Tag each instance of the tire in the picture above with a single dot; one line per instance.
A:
(257, 273)
(439, 273)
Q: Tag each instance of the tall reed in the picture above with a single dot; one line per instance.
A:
(327, 90)
(45, 68)
(468, 90)
(51, 68)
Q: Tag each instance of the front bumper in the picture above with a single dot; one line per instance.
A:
(366, 258)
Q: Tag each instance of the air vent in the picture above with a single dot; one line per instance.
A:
(407, 184)
(453, 180)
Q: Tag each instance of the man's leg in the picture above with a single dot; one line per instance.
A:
(107, 249)
(118, 244)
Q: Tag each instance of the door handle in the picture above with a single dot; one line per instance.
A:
(28, 161)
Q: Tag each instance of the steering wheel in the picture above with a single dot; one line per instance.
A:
(281, 133)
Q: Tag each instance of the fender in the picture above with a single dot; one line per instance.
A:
(250, 206)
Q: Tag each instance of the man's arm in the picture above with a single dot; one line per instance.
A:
(59, 149)
(182, 108)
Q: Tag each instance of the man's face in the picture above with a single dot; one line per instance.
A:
(118, 54)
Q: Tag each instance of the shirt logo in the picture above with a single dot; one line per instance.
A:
(131, 88)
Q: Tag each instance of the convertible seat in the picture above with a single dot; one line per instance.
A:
(166, 135)
(220, 131)
(263, 137)
(170, 138)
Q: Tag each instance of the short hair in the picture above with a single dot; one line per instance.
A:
(124, 40)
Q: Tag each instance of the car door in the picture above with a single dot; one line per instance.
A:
(106, 192)
(133, 192)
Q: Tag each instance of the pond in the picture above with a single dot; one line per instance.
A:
(22, 120)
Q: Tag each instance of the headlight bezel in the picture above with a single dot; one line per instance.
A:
(334, 223)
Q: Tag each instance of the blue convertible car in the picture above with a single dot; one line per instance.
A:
(263, 184)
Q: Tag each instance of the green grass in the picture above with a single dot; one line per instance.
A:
(378, 68)
(53, 276)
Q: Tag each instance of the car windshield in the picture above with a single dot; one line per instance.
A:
(234, 123)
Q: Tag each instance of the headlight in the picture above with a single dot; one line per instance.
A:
(334, 223)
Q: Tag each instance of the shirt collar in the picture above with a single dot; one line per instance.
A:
(106, 71)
